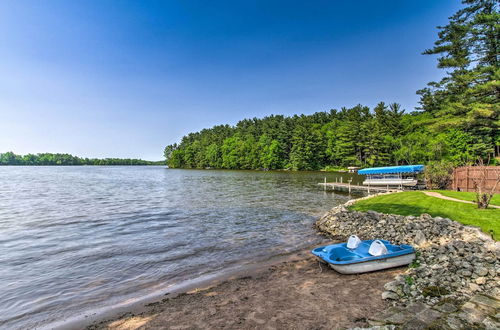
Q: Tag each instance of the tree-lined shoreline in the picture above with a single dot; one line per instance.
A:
(335, 139)
(57, 159)
(457, 121)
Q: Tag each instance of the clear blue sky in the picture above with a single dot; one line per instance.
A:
(125, 78)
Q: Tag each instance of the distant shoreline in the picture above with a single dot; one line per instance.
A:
(64, 159)
(76, 165)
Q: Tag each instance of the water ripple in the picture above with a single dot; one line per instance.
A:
(76, 238)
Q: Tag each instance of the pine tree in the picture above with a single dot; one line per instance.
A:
(467, 98)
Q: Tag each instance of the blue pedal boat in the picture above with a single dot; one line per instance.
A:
(362, 258)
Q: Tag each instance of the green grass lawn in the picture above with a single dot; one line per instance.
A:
(467, 196)
(416, 203)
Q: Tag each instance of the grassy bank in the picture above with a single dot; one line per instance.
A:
(416, 203)
(467, 196)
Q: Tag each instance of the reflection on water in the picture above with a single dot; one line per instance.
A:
(77, 238)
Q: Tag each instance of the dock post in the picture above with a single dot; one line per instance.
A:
(349, 187)
(325, 183)
(341, 179)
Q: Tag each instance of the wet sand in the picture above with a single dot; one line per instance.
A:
(298, 293)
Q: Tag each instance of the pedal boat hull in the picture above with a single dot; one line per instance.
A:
(356, 261)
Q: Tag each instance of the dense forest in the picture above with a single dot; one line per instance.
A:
(457, 121)
(9, 158)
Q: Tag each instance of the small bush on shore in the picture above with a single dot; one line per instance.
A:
(439, 174)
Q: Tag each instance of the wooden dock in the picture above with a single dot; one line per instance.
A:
(347, 187)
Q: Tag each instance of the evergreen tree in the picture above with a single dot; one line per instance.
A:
(467, 98)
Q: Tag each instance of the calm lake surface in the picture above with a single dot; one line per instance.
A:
(77, 239)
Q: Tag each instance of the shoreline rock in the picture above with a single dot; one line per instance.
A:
(454, 262)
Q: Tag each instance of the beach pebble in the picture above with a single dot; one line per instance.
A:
(393, 286)
(419, 238)
(482, 271)
(390, 295)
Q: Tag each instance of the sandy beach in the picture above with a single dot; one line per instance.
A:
(297, 293)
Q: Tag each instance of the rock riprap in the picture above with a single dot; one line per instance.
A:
(454, 262)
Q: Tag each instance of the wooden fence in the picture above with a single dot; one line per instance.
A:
(464, 177)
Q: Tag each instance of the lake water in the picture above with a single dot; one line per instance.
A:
(76, 239)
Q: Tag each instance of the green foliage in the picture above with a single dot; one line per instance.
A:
(232, 153)
(270, 151)
(409, 280)
(306, 151)
(9, 158)
(334, 139)
(467, 99)
(213, 156)
(167, 152)
(438, 174)
(415, 263)
(330, 168)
